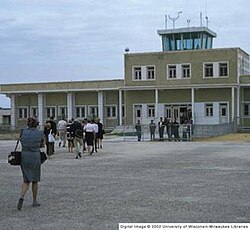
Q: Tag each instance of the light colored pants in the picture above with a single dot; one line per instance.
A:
(62, 136)
(78, 143)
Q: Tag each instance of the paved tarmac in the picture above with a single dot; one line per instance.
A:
(164, 182)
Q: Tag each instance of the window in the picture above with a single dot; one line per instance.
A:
(150, 72)
(185, 71)
(81, 111)
(33, 111)
(223, 69)
(62, 112)
(171, 71)
(137, 73)
(208, 70)
(111, 112)
(22, 113)
(246, 109)
(168, 112)
(209, 110)
(93, 111)
(123, 111)
(151, 111)
(51, 111)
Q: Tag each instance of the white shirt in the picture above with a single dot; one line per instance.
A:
(89, 128)
(62, 125)
(95, 127)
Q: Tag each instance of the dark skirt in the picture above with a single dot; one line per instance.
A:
(89, 138)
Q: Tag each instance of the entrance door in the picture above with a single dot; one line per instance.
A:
(223, 113)
(172, 113)
(138, 113)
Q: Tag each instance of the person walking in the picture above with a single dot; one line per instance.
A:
(176, 130)
(138, 130)
(31, 140)
(168, 124)
(77, 130)
(54, 131)
(62, 131)
(70, 136)
(96, 129)
(49, 145)
(89, 130)
(161, 127)
(99, 134)
(152, 127)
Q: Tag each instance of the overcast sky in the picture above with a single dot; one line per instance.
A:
(63, 40)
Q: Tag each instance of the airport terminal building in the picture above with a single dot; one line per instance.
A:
(187, 80)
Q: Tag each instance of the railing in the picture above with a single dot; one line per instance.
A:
(183, 132)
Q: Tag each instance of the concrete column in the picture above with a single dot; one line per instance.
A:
(232, 98)
(156, 103)
(100, 105)
(41, 109)
(13, 114)
(192, 101)
(120, 107)
(238, 105)
(70, 105)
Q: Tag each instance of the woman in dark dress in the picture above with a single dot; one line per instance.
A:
(31, 139)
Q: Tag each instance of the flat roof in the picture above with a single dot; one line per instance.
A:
(186, 30)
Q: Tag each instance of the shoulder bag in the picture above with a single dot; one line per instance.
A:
(14, 158)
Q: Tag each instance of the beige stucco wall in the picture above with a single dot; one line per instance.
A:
(196, 57)
(64, 86)
(213, 95)
(26, 100)
(175, 96)
(86, 98)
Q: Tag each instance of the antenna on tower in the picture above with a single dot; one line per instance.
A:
(201, 24)
(174, 19)
(206, 21)
(166, 21)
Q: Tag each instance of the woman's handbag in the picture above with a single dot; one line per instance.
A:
(43, 157)
(51, 138)
(14, 158)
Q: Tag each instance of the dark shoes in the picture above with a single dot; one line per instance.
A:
(20, 204)
(36, 204)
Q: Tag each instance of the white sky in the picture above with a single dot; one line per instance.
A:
(63, 40)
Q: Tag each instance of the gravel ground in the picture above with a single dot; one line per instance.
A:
(164, 182)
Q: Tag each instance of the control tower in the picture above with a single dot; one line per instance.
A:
(190, 38)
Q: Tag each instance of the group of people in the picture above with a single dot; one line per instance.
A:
(171, 127)
(78, 134)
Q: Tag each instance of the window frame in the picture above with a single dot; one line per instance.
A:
(60, 114)
(186, 67)
(82, 114)
(221, 68)
(205, 65)
(151, 111)
(32, 108)
(135, 73)
(111, 111)
(95, 107)
(51, 109)
(170, 75)
(209, 110)
(150, 74)
(23, 112)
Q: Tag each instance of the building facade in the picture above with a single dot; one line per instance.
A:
(187, 80)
